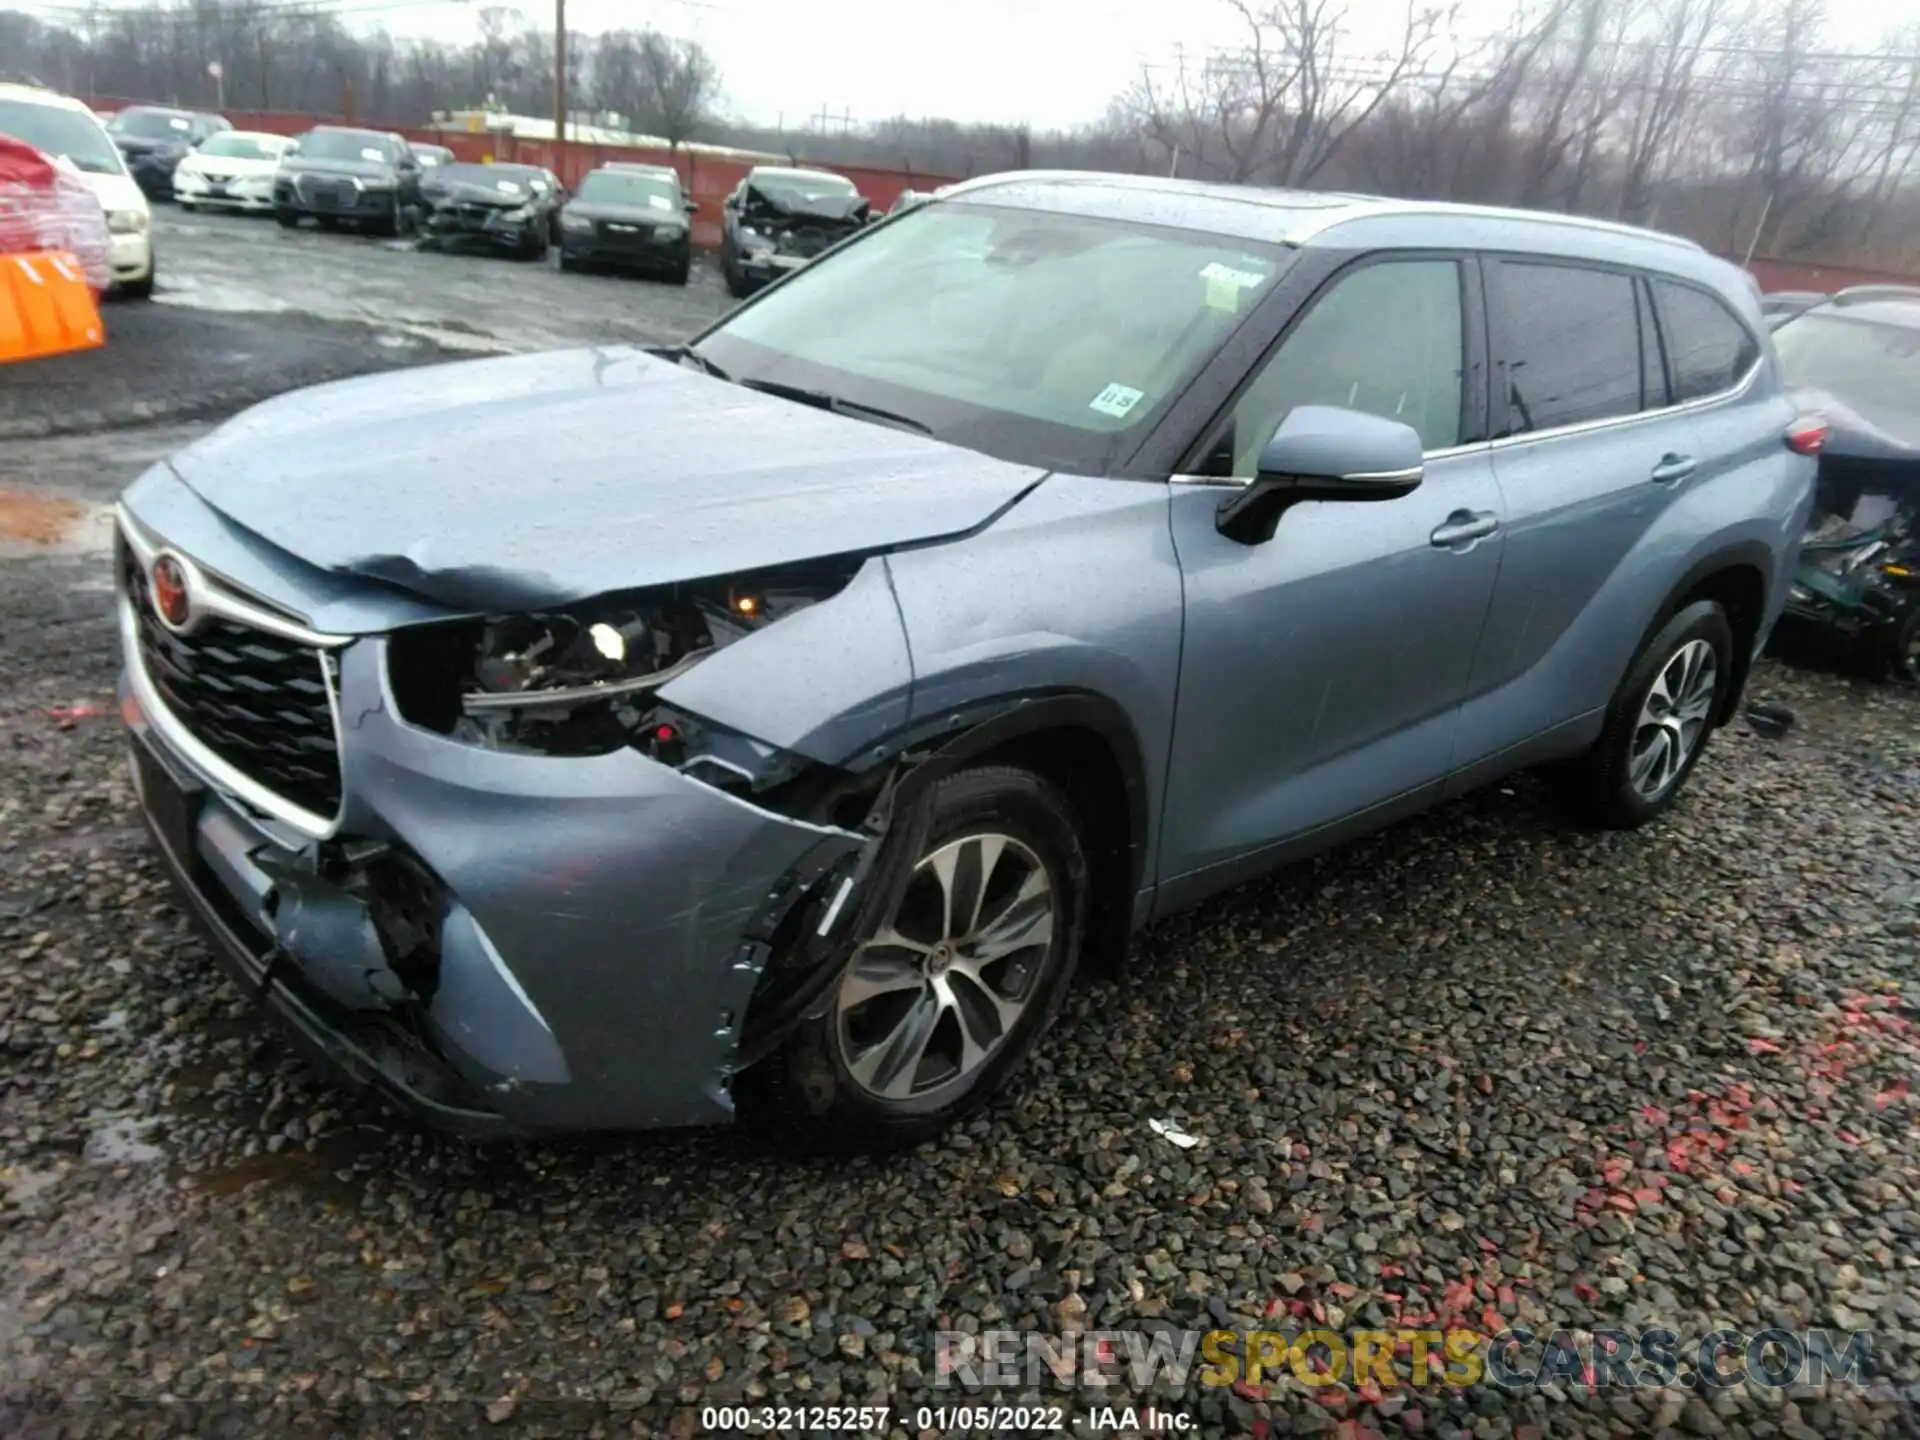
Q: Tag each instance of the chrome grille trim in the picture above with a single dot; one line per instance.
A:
(220, 773)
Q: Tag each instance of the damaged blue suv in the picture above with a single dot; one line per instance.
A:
(772, 724)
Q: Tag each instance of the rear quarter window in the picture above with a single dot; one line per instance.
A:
(1708, 349)
(1570, 341)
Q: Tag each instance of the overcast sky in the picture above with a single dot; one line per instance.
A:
(1047, 63)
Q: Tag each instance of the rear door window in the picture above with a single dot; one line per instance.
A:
(1570, 341)
(1708, 349)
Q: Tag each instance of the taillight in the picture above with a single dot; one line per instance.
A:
(1808, 435)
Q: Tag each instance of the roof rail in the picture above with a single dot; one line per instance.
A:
(1889, 291)
(1365, 208)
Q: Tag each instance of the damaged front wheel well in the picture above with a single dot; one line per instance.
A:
(1081, 761)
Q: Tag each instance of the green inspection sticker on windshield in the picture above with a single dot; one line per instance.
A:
(1117, 400)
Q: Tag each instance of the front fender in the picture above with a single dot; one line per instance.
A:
(1071, 601)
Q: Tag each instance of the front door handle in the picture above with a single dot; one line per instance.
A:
(1672, 468)
(1463, 527)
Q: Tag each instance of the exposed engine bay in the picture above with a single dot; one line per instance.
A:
(802, 224)
(586, 680)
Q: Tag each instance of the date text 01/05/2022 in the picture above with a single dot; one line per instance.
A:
(993, 1419)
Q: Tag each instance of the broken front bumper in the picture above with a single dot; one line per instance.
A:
(601, 922)
(455, 226)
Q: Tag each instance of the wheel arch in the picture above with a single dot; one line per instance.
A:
(1084, 743)
(1739, 578)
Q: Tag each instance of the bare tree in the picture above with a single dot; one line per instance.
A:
(681, 85)
(1659, 100)
(1279, 106)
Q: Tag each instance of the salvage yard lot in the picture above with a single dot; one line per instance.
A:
(1481, 1067)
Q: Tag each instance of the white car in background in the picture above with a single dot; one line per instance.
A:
(68, 131)
(232, 170)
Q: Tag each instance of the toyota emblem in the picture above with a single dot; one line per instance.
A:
(170, 591)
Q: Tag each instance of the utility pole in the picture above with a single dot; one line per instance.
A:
(560, 90)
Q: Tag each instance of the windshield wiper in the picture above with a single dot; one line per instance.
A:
(687, 352)
(839, 405)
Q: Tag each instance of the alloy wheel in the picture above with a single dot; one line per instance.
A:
(1672, 718)
(933, 996)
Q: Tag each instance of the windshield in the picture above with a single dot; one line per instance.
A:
(1873, 368)
(152, 125)
(232, 146)
(611, 187)
(346, 145)
(1041, 338)
(69, 134)
(431, 155)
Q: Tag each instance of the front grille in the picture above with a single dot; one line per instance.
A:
(328, 195)
(258, 701)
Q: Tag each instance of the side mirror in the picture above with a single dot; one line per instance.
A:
(1323, 452)
(693, 207)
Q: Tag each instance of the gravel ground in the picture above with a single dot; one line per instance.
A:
(1479, 1067)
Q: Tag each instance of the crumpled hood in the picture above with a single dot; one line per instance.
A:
(466, 192)
(833, 209)
(541, 479)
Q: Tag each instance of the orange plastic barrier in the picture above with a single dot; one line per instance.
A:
(46, 307)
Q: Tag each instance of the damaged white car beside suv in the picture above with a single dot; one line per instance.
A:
(68, 132)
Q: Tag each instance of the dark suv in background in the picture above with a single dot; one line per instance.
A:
(632, 216)
(332, 173)
(154, 140)
(776, 220)
(512, 208)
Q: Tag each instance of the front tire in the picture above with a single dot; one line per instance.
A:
(1658, 723)
(288, 217)
(142, 289)
(938, 1011)
(736, 282)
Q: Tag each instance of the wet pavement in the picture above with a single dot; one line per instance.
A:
(461, 301)
(1479, 1071)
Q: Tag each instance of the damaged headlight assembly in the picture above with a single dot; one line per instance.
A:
(584, 679)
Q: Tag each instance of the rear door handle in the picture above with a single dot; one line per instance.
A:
(1463, 527)
(1672, 468)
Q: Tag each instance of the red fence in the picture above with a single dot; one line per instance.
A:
(707, 178)
(1826, 279)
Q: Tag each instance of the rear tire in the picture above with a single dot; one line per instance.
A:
(1897, 656)
(917, 1034)
(567, 262)
(1658, 723)
(681, 275)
